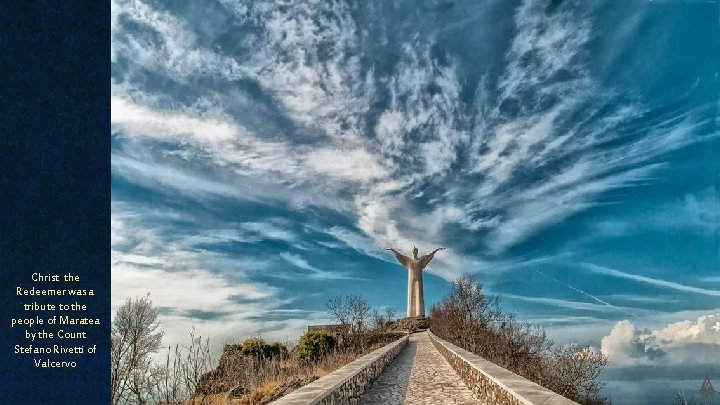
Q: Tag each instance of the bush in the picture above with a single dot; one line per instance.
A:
(314, 345)
(253, 347)
(256, 347)
(278, 349)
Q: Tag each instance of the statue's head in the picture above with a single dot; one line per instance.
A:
(415, 252)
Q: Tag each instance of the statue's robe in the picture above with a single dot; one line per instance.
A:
(416, 298)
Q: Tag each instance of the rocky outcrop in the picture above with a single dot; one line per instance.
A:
(409, 325)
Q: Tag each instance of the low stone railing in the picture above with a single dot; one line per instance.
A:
(492, 383)
(346, 384)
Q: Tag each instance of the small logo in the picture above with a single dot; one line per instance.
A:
(706, 390)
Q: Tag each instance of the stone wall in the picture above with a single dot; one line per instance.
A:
(492, 383)
(345, 385)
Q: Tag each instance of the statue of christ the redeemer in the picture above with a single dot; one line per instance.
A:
(415, 266)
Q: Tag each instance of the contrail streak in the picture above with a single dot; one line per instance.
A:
(596, 299)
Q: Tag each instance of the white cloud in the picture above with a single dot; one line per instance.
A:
(173, 51)
(355, 164)
(680, 342)
(696, 212)
(572, 157)
(270, 229)
(144, 260)
(655, 299)
(690, 213)
(306, 57)
(135, 119)
(315, 272)
(226, 141)
(160, 176)
(298, 261)
(246, 232)
(357, 241)
(230, 144)
(165, 176)
(422, 127)
(560, 197)
(578, 305)
(308, 60)
(215, 236)
(169, 288)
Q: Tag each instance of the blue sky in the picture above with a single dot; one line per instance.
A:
(565, 152)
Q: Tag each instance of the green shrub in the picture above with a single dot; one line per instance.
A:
(257, 347)
(253, 347)
(278, 349)
(313, 345)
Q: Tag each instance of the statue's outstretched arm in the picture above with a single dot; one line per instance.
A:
(425, 260)
(404, 260)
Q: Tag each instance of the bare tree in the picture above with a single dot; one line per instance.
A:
(390, 314)
(360, 312)
(339, 310)
(379, 320)
(178, 377)
(134, 337)
(575, 372)
(352, 311)
(473, 320)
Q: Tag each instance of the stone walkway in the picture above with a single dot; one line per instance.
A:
(419, 375)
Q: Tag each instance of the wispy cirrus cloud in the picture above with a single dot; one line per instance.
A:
(315, 273)
(147, 260)
(231, 144)
(643, 299)
(651, 281)
(579, 305)
(295, 107)
(174, 51)
(384, 142)
(245, 232)
(168, 254)
(357, 241)
(307, 56)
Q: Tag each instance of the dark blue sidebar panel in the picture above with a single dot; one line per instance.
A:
(55, 199)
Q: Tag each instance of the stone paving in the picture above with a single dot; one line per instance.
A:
(419, 375)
